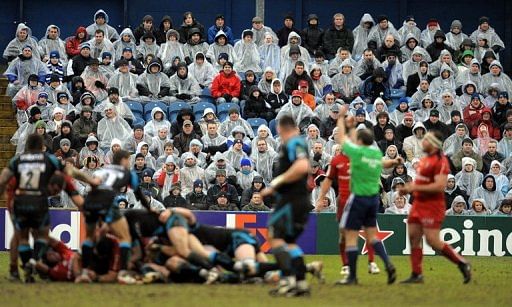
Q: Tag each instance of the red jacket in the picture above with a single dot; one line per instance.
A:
(223, 84)
(492, 127)
(73, 43)
(472, 116)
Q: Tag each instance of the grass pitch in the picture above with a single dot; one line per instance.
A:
(443, 287)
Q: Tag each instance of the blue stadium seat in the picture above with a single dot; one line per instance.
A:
(175, 108)
(272, 125)
(223, 110)
(199, 107)
(150, 106)
(138, 121)
(396, 94)
(255, 123)
(136, 108)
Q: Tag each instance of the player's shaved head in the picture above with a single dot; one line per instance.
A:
(365, 136)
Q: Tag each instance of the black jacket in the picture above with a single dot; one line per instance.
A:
(257, 107)
(312, 38)
(276, 101)
(197, 201)
(402, 131)
(413, 81)
(487, 160)
(136, 65)
(439, 126)
(185, 30)
(334, 39)
(292, 82)
(177, 125)
(79, 65)
(140, 31)
(182, 141)
(160, 33)
(282, 35)
(215, 189)
(172, 201)
(449, 197)
(327, 126)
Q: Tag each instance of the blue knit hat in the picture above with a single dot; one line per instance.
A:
(475, 96)
(106, 54)
(198, 183)
(403, 99)
(360, 112)
(245, 162)
(54, 54)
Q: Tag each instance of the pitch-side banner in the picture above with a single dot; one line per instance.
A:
(470, 235)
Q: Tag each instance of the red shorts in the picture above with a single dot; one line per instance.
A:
(428, 216)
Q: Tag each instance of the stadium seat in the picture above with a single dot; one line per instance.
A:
(255, 123)
(396, 94)
(136, 108)
(199, 107)
(138, 121)
(272, 126)
(223, 110)
(148, 107)
(175, 108)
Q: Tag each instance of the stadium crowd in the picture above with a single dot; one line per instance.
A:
(197, 107)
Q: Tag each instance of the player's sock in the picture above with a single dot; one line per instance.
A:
(87, 251)
(371, 253)
(343, 254)
(196, 259)
(451, 254)
(352, 260)
(264, 267)
(25, 253)
(40, 247)
(298, 265)
(186, 269)
(283, 259)
(221, 259)
(416, 260)
(381, 251)
(125, 248)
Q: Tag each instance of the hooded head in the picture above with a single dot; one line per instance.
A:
(486, 183)
(219, 35)
(457, 203)
(172, 32)
(296, 36)
(272, 86)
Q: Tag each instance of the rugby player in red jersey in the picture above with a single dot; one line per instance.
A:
(428, 208)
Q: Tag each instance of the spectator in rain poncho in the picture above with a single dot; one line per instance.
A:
(493, 40)
(219, 163)
(171, 49)
(149, 160)
(447, 106)
(201, 70)
(24, 65)
(99, 44)
(22, 38)
(270, 54)
(470, 74)
(63, 103)
(321, 82)
(112, 126)
(328, 204)
(288, 64)
(259, 30)
(483, 138)
(375, 86)
(263, 157)
(55, 87)
(412, 144)
(247, 54)
(458, 207)
(453, 143)
(444, 83)
(209, 116)
(124, 81)
(196, 148)
(377, 107)
(444, 58)
(91, 149)
(502, 182)
(479, 207)
(95, 81)
(294, 39)
(168, 175)
(412, 65)
(396, 116)
(221, 46)
(394, 71)
(101, 22)
(496, 75)
(361, 33)
(195, 44)
(238, 134)
(153, 84)
(438, 45)
(106, 66)
(468, 179)
(52, 42)
(313, 136)
(505, 144)
(423, 113)
(335, 65)
(505, 208)
(147, 47)
(295, 108)
(409, 29)
(158, 142)
(319, 154)
(468, 90)
(399, 205)
(324, 110)
(158, 119)
(264, 133)
(427, 35)
(126, 40)
(234, 120)
(122, 108)
(55, 122)
(235, 154)
(410, 43)
(265, 83)
(20, 136)
(28, 95)
(367, 64)
(378, 33)
(345, 84)
(183, 86)
(488, 192)
(455, 37)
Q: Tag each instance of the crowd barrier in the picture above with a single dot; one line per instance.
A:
(470, 235)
